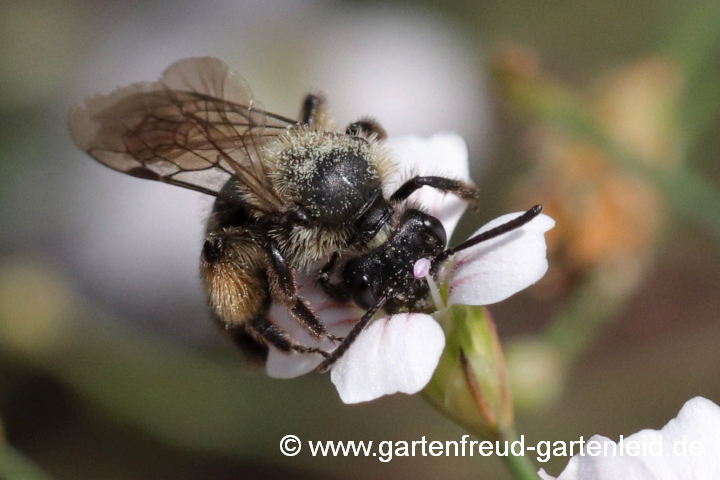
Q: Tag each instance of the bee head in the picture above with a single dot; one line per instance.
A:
(388, 269)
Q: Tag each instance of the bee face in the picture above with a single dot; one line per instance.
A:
(388, 269)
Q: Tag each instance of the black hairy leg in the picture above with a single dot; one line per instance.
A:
(336, 292)
(285, 290)
(261, 327)
(461, 189)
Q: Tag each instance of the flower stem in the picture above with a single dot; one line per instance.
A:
(521, 466)
(690, 193)
(16, 466)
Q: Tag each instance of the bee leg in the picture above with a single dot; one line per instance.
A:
(350, 337)
(336, 292)
(367, 126)
(262, 328)
(315, 112)
(447, 185)
(285, 290)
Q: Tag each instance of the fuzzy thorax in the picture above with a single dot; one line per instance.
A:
(328, 173)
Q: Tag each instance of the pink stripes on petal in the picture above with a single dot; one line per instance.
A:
(456, 282)
(330, 306)
(346, 321)
(470, 256)
(386, 323)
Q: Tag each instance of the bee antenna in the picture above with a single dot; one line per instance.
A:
(492, 233)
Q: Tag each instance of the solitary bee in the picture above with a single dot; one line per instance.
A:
(289, 196)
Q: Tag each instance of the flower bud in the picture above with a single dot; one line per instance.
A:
(470, 383)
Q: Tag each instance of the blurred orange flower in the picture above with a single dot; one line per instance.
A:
(605, 215)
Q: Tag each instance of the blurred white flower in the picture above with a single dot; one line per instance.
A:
(687, 448)
(410, 69)
(399, 353)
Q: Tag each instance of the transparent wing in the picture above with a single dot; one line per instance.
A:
(196, 127)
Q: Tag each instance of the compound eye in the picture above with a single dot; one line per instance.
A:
(435, 227)
(360, 289)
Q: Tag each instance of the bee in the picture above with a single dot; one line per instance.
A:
(291, 196)
(383, 277)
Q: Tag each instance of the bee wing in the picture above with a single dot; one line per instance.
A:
(195, 128)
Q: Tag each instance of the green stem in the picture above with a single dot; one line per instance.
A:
(594, 304)
(15, 466)
(700, 108)
(695, 41)
(695, 46)
(519, 465)
(690, 194)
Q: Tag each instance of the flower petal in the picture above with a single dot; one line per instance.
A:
(620, 466)
(665, 459)
(394, 354)
(498, 268)
(544, 475)
(697, 421)
(339, 319)
(442, 154)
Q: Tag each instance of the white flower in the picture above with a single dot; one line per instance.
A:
(687, 448)
(399, 353)
(442, 154)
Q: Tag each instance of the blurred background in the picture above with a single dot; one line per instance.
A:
(605, 112)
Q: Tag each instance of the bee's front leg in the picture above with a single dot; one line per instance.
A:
(462, 189)
(334, 291)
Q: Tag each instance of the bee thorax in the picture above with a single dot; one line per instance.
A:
(334, 176)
